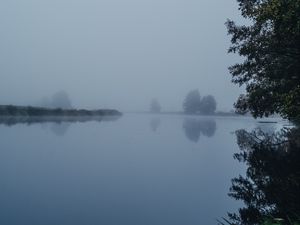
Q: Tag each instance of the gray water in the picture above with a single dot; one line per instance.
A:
(139, 169)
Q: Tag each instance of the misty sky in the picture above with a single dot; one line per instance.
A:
(115, 53)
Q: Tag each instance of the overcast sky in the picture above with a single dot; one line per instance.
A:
(116, 53)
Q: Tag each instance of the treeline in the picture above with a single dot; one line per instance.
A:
(194, 104)
(25, 111)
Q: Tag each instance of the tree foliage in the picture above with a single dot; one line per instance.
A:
(192, 102)
(270, 47)
(208, 105)
(61, 100)
(155, 106)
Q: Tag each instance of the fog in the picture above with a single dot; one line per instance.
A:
(116, 54)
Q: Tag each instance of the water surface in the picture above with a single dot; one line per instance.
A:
(139, 169)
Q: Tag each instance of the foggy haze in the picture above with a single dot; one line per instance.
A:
(116, 54)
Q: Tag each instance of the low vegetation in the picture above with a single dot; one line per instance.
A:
(28, 111)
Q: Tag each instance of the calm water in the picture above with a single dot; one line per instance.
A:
(139, 169)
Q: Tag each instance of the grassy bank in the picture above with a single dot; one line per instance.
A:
(29, 111)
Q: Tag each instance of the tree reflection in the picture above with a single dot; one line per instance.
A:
(60, 129)
(271, 188)
(193, 128)
(154, 124)
(59, 124)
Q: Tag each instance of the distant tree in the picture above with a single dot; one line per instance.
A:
(155, 106)
(270, 47)
(191, 104)
(61, 100)
(208, 105)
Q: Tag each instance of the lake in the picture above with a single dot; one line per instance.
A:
(139, 169)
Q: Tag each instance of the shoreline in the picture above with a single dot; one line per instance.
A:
(31, 112)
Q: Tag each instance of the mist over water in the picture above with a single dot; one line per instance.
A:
(152, 169)
(121, 113)
(116, 54)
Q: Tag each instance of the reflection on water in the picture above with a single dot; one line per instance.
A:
(154, 124)
(10, 121)
(267, 128)
(119, 172)
(193, 128)
(59, 125)
(60, 129)
(271, 188)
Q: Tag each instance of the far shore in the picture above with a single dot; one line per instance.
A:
(189, 114)
(30, 111)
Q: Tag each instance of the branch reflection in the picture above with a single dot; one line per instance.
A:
(271, 188)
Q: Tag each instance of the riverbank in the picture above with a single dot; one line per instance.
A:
(29, 111)
(223, 114)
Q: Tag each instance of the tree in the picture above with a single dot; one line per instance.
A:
(192, 102)
(61, 100)
(208, 105)
(155, 106)
(270, 46)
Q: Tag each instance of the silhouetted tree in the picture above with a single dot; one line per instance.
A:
(270, 46)
(155, 106)
(191, 104)
(208, 105)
